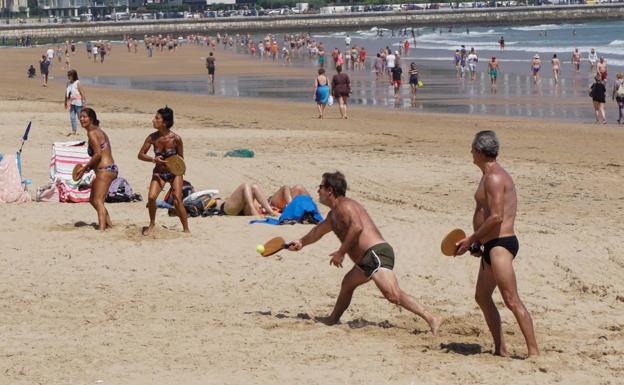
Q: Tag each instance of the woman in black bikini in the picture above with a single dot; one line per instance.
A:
(166, 143)
(101, 162)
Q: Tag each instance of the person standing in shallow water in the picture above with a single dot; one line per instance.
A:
(494, 240)
(166, 143)
(340, 89)
(210, 66)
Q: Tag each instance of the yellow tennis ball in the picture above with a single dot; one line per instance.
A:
(260, 249)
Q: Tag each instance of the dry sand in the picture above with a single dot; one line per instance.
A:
(80, 307)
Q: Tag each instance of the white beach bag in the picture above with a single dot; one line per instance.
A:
(330, 100)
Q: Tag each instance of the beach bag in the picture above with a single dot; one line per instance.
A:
(120, 191)
(620, 91)
(420, 84)
(196, 207)
(330, 100)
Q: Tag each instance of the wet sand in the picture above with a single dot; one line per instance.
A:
(80, 306)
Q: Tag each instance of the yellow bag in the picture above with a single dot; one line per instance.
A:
(420, 83)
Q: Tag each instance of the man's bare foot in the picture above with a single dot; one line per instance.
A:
(533, 353)
(148, 230)
(435, 325)
(327, 320)
(187, 231)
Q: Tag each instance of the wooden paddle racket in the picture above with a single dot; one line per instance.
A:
(274, 245)
(75, 171)
(448, 246)
(176, 165)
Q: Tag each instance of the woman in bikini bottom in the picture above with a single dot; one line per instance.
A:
(101, 162)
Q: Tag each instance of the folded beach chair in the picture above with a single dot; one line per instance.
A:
(65, 156)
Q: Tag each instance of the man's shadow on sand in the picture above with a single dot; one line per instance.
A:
(357, 323)
(85, 224)
(461, 348)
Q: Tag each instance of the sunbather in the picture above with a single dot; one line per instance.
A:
(247, 199)
(166, 143)
(285, 195)
(101, 162)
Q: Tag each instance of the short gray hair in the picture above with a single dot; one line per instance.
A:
(486, 143)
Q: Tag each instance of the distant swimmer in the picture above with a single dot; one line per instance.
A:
(501, 43)
(362, 241)
(495, 241)
(556, 67)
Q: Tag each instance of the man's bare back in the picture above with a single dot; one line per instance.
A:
(349, 213)
(492, 184)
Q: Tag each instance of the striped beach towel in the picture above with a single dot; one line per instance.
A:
(65, 156)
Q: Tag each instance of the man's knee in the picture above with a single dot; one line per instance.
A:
(393, 296)
(511, 300)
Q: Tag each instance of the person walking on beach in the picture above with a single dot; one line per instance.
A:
(390, 63)
(493, 71)
(101, 162)
(618, 96)
(44, 68)
(378, 66)
(556, 67)
(598, 92)
(536, 65)
(361, 240)
(321, 91)
(166, 143)
(576, 60)
(210, 66)
(457, 60)
(75, 99)
(592, 57)
(602, 69)
(341, 89)
(501, 43)
(413, 79)
(473, 59)
(397, 74)
(495, 213)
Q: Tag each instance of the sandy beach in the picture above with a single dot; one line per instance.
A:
(81, 307)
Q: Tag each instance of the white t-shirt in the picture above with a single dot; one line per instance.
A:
(50, 53)
(593, 57)
(347, 40)
(472, 58)
(390, 59)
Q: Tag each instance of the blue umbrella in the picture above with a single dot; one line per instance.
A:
(25, 136)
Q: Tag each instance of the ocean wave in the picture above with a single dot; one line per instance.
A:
(617, 42)
(543, 27)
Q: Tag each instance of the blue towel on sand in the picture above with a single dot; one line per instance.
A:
(301, 209)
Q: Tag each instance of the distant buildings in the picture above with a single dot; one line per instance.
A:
(13, 6)
(69, 8)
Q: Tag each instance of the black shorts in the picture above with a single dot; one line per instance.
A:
(211, 70)
(509, 243)
(380, 255)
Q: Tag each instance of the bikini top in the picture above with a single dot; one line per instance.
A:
(166, 154)
(102, 147)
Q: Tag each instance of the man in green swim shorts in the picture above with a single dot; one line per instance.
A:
(493, 70)
(360, 238)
